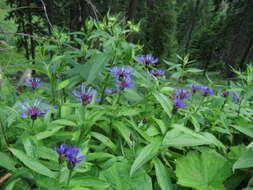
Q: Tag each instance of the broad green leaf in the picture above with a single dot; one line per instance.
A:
(145, 155)
(105, 140)
(245, 161)
(124, 131)
(47, 183)
(205, 171)
(181, 136)
(133, 95)
(11, 185)
(165, 103)
(89, 182)
(29, 146)
(32, 163)
(7, 162)
(98, 64)
(63, 84)
(98, 156)
(161, 125)
(162, 176)
(49, 133)
(64, 122)
(245, 129)
(119, 179)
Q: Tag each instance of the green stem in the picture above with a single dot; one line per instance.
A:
(4, 134)
(68, 181)
(103, 92)
(82, 127)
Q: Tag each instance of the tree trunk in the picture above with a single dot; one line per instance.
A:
(191, 27)
(242, 42)
(132, 9)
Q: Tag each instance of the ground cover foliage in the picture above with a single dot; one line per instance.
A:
(100, 115)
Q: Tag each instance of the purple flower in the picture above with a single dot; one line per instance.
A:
(157, 73)
(225, 94)
(33, 82)
(235, 97)
(33, 109)
(126, 83)
(121, 73)
(207, 91)
(122, 77)
(182, 94)
(195, 88)
(85, 95)
(111, 91)
(73, 158)
(147, 59)
(178, 103)
(61, 150)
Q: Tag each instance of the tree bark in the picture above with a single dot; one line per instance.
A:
(242, 42)
(132, 9)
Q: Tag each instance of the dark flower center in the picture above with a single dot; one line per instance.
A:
(34, 84)
(34, 112)
(86, 98)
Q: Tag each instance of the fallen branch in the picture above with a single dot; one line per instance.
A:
(5, 177)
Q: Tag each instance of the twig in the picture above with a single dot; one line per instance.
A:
(34, 36)
(23, 34)
(45, 10)
(13, 9)
(93, 7)
(5, 177)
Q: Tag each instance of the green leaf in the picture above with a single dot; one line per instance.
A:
(49, 133)
(245, 161)
(98, 156)
(205, 171)
(7, 162)
(63, 84)
(98, 64)
(119, 179)
(245, 129)
(146, 154)
(105, 140)
(162, 176)
(11, 185)
(48, 183)
(124, 131)
(90, 182)
(165, 103)
(181, 136)
(32, 163)
(64, 122)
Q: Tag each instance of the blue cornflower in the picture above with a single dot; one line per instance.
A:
(33, 109)
(85, 95)
(61, 150)
(120, 73)
(122, 77)
(111, 91)
(125, 83)
(147, 59)
(224, 94)
(235, 97)
(195, 88)
(73, 158)
(33, 82)
(177, 104)
(157, 73)
(182, 94)
(207, 91)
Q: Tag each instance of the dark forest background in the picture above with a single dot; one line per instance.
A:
(216, 33)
